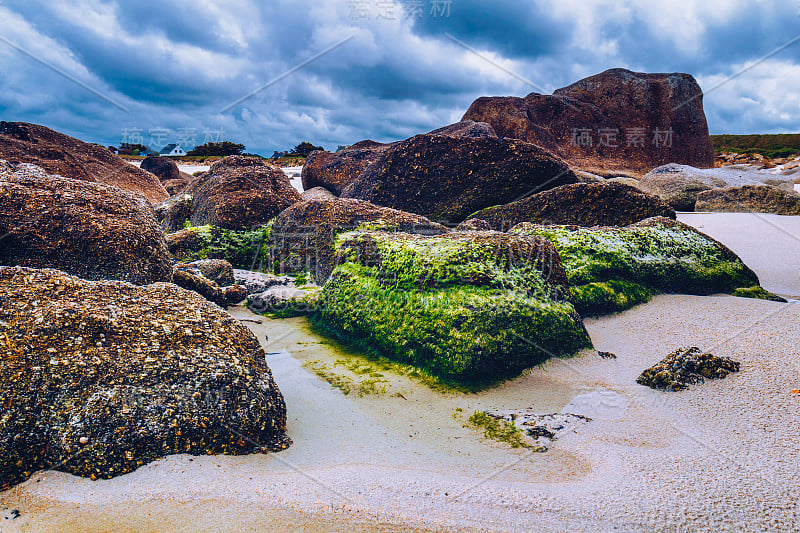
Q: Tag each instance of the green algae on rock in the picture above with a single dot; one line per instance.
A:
(467, 307)
(100, 378)
(243, 249)
(657, 255)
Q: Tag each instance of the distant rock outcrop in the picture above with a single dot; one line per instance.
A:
(100, 378)
(66, 156)
(614, 120)
(86, 229)
(163, 167)
(580, 204)
(302, 237)
(447, 178)
(236, 193)
(749, 199)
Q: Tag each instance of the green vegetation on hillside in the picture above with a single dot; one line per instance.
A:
(772, 146)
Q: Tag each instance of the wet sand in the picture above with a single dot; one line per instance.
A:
(719, 456)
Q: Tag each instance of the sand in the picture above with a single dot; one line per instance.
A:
(721, 456)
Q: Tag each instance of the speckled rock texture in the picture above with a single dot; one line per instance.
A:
(217, 270)
(616, 100)
(685, 367)
(100, 378)
(446, 179)
(164, 168)
(237, 193)
(749, 199)
(303, 236)
(66, 156)
(190, 277)
(466, 129)
(335, 171)
(91, 230)
(581, 204)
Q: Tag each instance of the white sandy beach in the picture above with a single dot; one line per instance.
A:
(721, 456)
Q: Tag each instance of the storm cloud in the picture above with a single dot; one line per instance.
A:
(99, 70)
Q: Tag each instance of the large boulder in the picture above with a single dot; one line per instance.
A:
(449, 178)
(466, 129)
(335, 171)
(163, 167)
(237, 193)
(749, 199)
(580, 204)
(612, 268)
(679, 185)
(609, 121)
(100, 378)
(302, 237)
(68, 157)
(87, 229)
(466, 306)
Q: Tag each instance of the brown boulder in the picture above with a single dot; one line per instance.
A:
(581, 204)
(66, 156)
(163, 167)
(335, 171)
(749, 199)
(466, 129)
(619, 111)
(448, 179)
(87, 229)
(302, 237)
(236, 193)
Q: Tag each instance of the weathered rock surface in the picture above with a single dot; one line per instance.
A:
(749, 199)
(285, 300)
(217, 270)
(335, 171)
(468, 306)
(317, 193)
(466, 129)
(236, 193)
(302, 236)
(66, 156)
(100, 378)
(580, 204)
(616, 101)
(679, 185)
(256, 282)
(448, 178)
(91, 230)
(163, 167)
(190, 277)
(684, 367)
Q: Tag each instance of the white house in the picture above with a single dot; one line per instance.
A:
(172, 149)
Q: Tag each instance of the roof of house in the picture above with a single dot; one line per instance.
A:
(168, 148)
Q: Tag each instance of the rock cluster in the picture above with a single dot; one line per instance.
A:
(100, 378)
(684, 367)
(87, 229)
(66, 156)
(237, 193)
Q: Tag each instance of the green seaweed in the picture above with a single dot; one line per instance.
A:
(608, 296)
(462, 333)
(500, 430)
(758, 293)
(243, 249)
(612, 269)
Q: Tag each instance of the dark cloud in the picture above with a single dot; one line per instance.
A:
(176, 64)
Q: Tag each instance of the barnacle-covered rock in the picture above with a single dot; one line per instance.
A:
(100, 378)
(684, 367)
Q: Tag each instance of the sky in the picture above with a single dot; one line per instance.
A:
(270, 74)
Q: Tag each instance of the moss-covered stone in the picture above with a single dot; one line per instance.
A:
(243, 249)
(605, 265)
(759, 293)
(461, 306)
